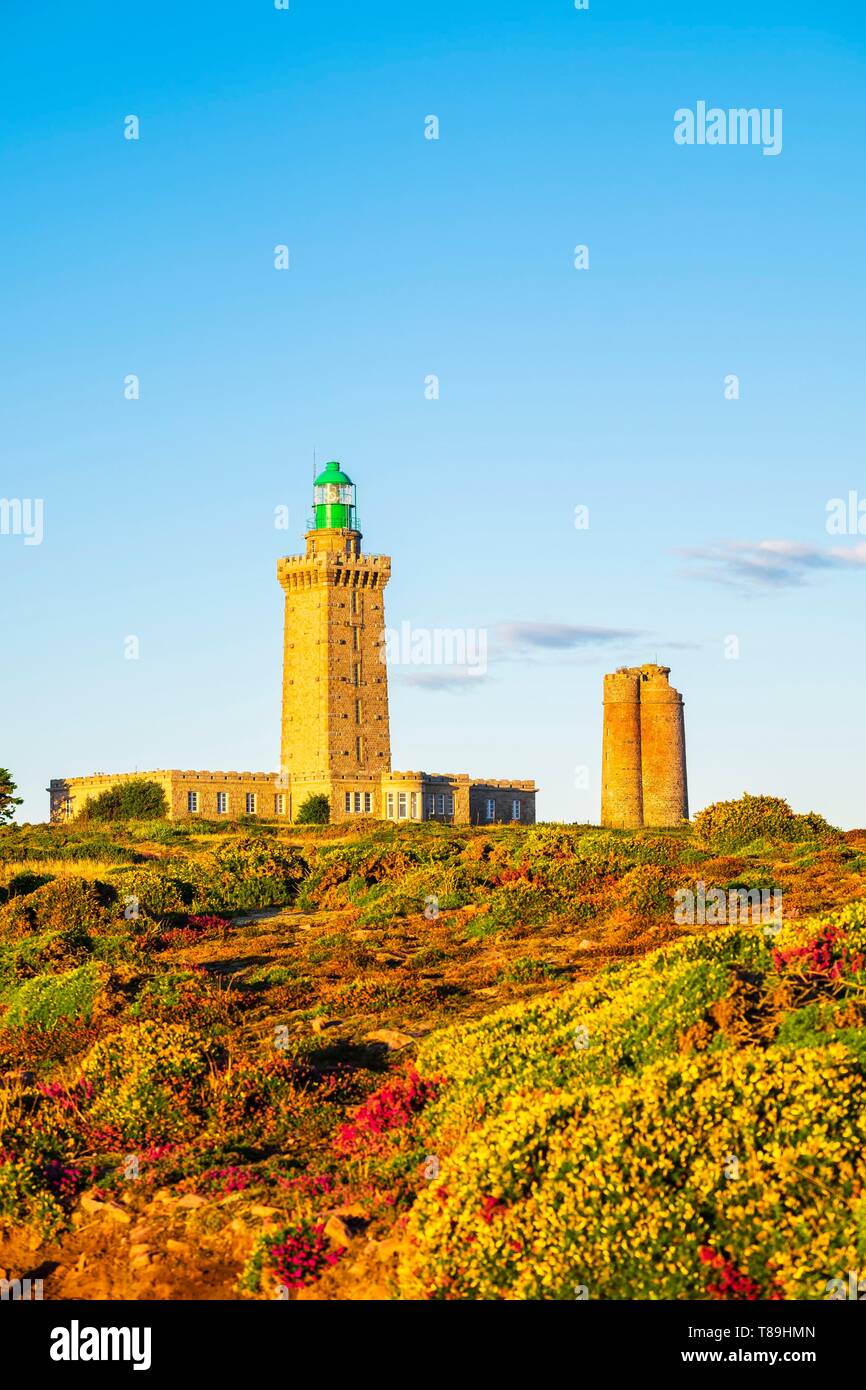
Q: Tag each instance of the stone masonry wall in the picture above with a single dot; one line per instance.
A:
(643, 778)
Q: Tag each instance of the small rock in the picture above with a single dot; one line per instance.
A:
(141, 1261)
(584, 945)
(392, 1039)
(320, 1024)
(140, 1248)
(338, 1231)
(177, 1247)
(111, 1210)
(191, 1201)
(265, 1213)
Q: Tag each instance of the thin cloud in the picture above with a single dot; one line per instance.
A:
(558, 636)
(770, 564)
(458, 681)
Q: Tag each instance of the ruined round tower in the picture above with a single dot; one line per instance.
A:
(621, 780)
(643, 751)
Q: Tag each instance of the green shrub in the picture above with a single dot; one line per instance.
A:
(526, 971)
(21, 884)
(150, 893)
(138, 799)
(253, 871)
(63, 904)
(315, 810)
(734, 824)
(150, 1081)
(47, 999)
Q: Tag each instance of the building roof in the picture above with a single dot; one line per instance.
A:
(332, 473)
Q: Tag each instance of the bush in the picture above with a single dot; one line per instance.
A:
(138, 799)
(576, 1189)
(316, 810)
(47, 999)
(21, 884)
(64, 904)
(254, 871)
(153, 894)
(589, 1131)
(733, 824)
(148, 1083)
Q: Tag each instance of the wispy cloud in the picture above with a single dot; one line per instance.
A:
(458, 681)
(529, 636)
(770, 564)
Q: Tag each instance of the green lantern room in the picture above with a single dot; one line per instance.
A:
(334, 506)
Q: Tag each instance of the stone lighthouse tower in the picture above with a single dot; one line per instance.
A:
(643, 779)
(335, 736)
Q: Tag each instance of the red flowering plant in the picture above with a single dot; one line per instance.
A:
(292, 1258)
(227, 1180)
(196, 929)
(390, 1108)
(831, 955)
(731, 1283)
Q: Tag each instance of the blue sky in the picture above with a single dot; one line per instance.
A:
(559, 387)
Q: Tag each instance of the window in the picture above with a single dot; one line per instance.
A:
(440, 803)
(401, 805)
(368, 802)
(390, 806)
(280, 804)
(251, 800)
(348, 801)
(356, 674)
(515, 809)
(449, 804)
(222, 803)
(356, 638)
(413, 805)
(357, 801)
(192, 801)
(431, 805)
(357, 711)
(490, 807)
(354, 601)
(358, 748)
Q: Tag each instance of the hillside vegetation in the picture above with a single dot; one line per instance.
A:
(432, 1062)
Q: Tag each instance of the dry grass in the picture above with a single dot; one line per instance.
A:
(78, 868)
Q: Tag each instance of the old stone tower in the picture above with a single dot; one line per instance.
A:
(334, 724)
(643, 764)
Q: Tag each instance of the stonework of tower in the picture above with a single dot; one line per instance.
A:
(643, 778)
(334, 721)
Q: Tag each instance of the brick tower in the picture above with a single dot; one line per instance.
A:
(335, 736)
(643, 780)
